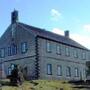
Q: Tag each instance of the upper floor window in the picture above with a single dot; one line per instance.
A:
(24, 47)
(49, 69)
(59, 70)
(75, 53)
(76, 72)
(58, 49)
(9, 51)
(12, 50)
(2, 52)
(67, 52)
(83, 55)
(68, 71)
(48, 46)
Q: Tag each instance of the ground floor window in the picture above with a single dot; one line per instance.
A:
(59, 70)
(49, 69)
(12, 66)
(76, 72)
(9, 71)
(68, 71)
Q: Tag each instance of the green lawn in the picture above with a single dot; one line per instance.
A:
(41, 85)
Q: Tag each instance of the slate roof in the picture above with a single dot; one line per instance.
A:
(52, 36)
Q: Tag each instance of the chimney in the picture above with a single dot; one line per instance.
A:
(14, 16)
(66, 33)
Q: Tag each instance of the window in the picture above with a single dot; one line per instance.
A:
(49, 69)
(76, 72)
(68, 72)
(48, 47)
(24, 47)
(58, 49)
(84, 72)
(75, 53)
(67, 51)
(83, 55)
(81, 75)
(59, 70)
(12, 66)
(12, 50)
(9, 51)
(9, 71)
(2, 52)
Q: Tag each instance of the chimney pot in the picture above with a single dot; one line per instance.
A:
(66, 33)
(14, 16)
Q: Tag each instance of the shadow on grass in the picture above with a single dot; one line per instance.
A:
(80, 84)
(82, 87)
(7, 83)
(3, 83)
(34, 83)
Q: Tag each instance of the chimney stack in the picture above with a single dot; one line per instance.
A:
(14, 16)
(66, 33)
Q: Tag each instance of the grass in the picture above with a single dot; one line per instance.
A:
(40, 85)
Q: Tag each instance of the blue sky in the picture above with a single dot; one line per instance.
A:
(53, 15)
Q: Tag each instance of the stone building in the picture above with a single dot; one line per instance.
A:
(40, 53)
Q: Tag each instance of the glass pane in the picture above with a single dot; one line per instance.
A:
(49, 69)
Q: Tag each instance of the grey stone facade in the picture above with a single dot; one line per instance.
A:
(37, 62)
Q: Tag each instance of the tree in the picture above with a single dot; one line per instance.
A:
(16, 76)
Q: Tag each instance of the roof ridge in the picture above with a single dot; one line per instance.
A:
(43, 30)
(50, 35)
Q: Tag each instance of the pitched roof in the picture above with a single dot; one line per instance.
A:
(52, 36)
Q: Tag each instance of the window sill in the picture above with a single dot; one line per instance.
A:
(49, 52)
(59, 75)
(49, 74)
(58, 53)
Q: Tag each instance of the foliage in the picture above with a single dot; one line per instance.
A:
(16, 76)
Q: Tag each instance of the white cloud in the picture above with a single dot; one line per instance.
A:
(83, 40)
(58, 31)
(55, 14)
(87, 27)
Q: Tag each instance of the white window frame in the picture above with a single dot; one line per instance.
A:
(48, 46)
(14, 49)
(83, 55)
(59, 70)
(24, 47)
(9, 51)
(76, 72)
(9, 71)
(67, 52)
(49, 69)
(68, 71)
(75, 53)
(58, 49)
(2, 52)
